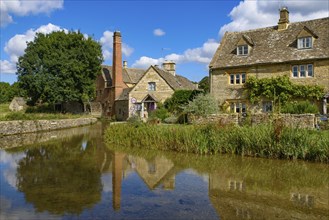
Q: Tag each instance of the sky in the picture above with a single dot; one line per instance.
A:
(186, 32)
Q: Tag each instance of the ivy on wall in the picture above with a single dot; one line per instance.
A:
(280, 89)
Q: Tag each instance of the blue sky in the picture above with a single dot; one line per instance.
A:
(187, 32)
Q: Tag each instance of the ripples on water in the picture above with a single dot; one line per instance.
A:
(71, 174)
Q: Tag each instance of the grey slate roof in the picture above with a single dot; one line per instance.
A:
(125, 94)
(273, 46)
(177, 82)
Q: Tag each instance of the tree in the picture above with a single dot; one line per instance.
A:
(179, 100)
(8, 92)
(202, 105)
(204, 84)
(60, 67)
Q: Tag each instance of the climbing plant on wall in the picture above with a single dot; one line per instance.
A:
(280, 89)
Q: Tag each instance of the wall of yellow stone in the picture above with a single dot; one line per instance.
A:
(223, 91)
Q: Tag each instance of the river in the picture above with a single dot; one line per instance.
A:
(72, 174)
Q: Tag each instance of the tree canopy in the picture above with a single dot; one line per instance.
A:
(60, 67)
(204, 84)
(8, 92)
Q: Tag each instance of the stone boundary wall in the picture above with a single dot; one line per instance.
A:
(29, 126)
(292, 120)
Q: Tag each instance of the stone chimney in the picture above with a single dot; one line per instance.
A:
(284, 19)
(125, 64)
(169, 66)
(117, 65)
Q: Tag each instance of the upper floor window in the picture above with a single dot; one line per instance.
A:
(242, 50)
(305, 42)
(301, 71)
(238, 78)
(151, 86)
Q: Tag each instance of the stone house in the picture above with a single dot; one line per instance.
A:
(299, 50)
(17, 104)
(124, 92)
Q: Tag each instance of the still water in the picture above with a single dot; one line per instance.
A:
(71, 174)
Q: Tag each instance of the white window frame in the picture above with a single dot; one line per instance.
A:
(237, 78)
(238, 107)
(242, 50)
(151, 86)
(302, 71)
(305, 43)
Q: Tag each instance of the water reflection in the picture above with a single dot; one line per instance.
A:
(78, 177)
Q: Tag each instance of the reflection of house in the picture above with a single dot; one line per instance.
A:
(299, 50)
(157, 171)
(235, 198)
(17, 104)
(124, 91)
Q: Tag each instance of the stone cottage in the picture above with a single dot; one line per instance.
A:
(17, 104)
(124, 92)
(299, 50)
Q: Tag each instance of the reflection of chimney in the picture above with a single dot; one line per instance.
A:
(169, 66)
(117, 169)
(125, 64)
(117, 65)
(284, 19)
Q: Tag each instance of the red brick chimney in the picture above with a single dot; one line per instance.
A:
(117, 65)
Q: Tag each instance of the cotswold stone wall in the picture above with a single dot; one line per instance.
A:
(292, 120)
(21, 127)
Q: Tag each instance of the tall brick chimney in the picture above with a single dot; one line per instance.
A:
(284, 19)
(117, 65)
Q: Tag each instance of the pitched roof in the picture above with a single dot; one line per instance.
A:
(273, 46)
(177, 82)
(125, 94)
(19, 101)
(129, 75)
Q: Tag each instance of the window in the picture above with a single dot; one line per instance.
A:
(302, 71)
(237, 79)
(138, 106)
(267, 106)
(242, 50)
(237, 107)
(305, 42)
(152, 86)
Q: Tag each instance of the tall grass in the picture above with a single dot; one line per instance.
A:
(259, 141)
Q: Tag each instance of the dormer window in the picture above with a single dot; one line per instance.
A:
(305, 42)
(242, 50)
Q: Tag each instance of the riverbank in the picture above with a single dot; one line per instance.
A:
(30, 126)
(266, 140)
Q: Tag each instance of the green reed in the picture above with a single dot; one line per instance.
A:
(265, 140)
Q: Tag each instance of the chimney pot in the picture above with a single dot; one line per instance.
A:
(125, 64)
(169, 66)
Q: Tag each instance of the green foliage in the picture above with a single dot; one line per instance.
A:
(179, 100)
(267, 140)
(8, 92)
(204, 84)
(280, 89)
(202, 105)
(44, 108)
(60, 67)
(300, 107)
(161, 112)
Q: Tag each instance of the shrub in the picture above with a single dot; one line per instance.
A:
(180, 99)
(160, 113)
(300, 107)
(202, 105)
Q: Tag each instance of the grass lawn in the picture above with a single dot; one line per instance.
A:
(7, 115)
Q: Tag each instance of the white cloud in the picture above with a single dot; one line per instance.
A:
(24, 8)
(251, 14)
(107, 46)
(201, 55)
(158, 32)
(7, 67)
(16, 45)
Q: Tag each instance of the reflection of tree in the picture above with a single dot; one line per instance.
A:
(60, 178)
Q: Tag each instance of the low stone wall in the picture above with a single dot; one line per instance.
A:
(293, 120)
(21, 127)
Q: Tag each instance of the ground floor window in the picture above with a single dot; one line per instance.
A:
(238, 107)
(267, 106)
